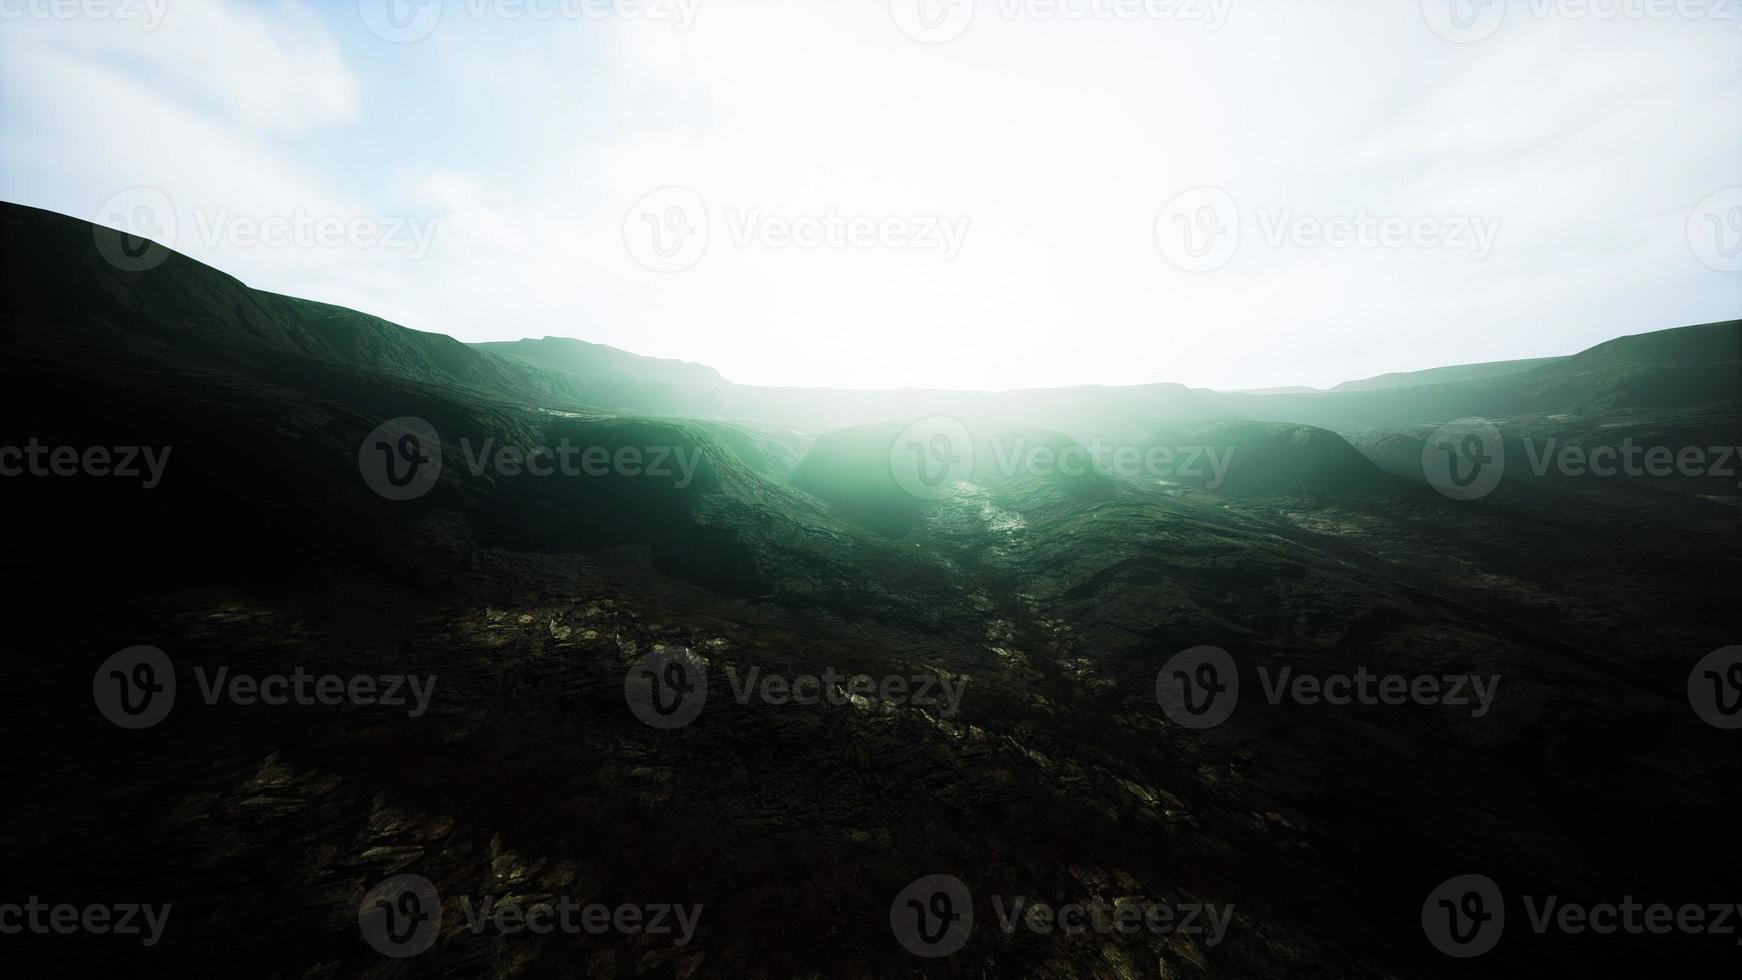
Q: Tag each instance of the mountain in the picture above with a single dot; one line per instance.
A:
(1050, 552)
(1446, 375)
(620, 381)
(52, 273)
(1281, 390)
(1689, 368)
(635, 384)
(1269, 457)
(1680, 387)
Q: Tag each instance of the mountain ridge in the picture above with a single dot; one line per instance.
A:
(555, 367)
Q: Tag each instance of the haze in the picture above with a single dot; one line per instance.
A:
(980, 213)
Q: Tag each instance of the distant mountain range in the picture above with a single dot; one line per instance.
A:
(186, 301)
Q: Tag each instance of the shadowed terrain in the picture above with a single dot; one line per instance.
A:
(793, 545)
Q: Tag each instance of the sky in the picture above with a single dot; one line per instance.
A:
(974, 194)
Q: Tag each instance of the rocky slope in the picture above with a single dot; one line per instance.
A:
(1050, 600)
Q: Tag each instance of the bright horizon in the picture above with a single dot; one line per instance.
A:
(1031, 201)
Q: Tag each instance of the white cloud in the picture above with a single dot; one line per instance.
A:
(1057, 140)
(268, 66)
